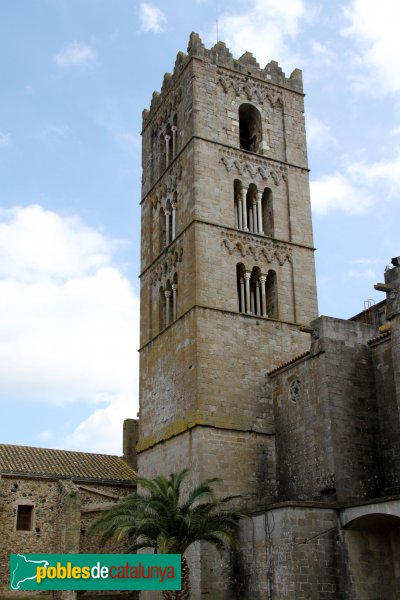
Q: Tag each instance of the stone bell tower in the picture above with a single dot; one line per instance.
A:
(227, 266)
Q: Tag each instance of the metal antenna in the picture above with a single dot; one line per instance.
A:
(216, 22)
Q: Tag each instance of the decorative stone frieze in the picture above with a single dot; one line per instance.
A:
(233, 160)
(254, 91)
(166, 264)
(259, 250)
(167, 185)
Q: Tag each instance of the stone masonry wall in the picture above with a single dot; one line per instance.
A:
(204, 399)
(244, 461)
(218, 93)
(292, 553)
(214, 376)
(373, 558)
(352, 406)
(44, 497)
(326, 417)
(63, 513)
(303, 434)
(389, 422)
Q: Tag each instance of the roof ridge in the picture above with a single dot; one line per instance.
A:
(59, 450)
(64, 463)
(289, 362)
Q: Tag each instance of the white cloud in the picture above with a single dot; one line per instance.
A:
(360, 186)
(319, 133)
(4, 139)
(68, 320)
(265, 28)
(336, 192)
(76, 54)
(374, 28)
(386, 172)
(366, 261)
(36, 244)
(54, 130)
(151, 18)
(101, 431)
(361, 273)
(46, 435)
(363, 268)
(324, 54)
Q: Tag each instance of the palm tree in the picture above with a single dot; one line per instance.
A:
(159, 518)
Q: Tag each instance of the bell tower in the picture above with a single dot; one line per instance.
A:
(227, 265)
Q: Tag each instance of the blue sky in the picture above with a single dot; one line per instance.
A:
(75, 77)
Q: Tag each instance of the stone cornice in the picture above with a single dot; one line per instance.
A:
(228, 423)
(230, 231)
(257, 319)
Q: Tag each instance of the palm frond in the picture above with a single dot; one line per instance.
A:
(157, 517)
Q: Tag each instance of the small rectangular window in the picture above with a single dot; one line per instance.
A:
(24, 517)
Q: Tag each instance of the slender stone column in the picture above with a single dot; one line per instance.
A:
(167, 294)
(173, 221)
(254, 215)
(250, 217)
(257, 292)
(167, 227)
(259, 213)
(242, 296)
(263, 279)
(174, 304)
(247, 285)
(244, 208)
(167, 138)
(239, 209)
(173, 129)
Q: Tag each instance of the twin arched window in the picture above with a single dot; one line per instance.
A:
(168, 302)
(167, 223)
(253, 209)
(257, 293)
(164, 142)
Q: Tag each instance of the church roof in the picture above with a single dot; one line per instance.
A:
(26, 460)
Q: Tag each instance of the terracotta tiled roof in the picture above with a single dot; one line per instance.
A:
(63, 463)
(380, 337)
(289, 362)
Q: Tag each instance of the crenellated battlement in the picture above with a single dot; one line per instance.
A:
(221, 56)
